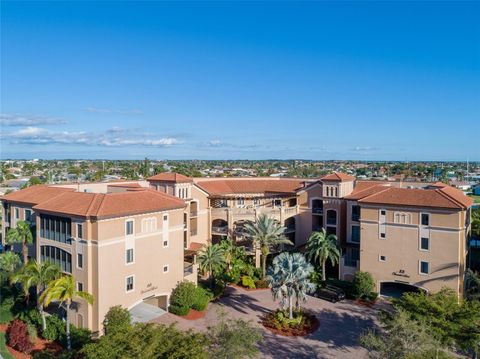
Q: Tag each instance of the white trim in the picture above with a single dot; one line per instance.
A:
(133, 256)
(420, 267)
(420, 219)
(326, 218)
(133, 227)
(76, 261)
(420, 245)
(126, 283)
(78, 287)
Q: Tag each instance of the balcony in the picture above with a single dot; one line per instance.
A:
(290, 228)
(220, 230)
(355, 217)
(193, 214)
(187, 269)
(317, 228)
(193, 232)
(317, 210)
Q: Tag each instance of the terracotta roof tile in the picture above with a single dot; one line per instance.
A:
(170, 177)
(225, 187)
(35, 194)
(445, 197)
(109, 205)
(338, 177)
(365, 190)
(126, 185)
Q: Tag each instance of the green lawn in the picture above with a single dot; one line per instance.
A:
(475, 198)
(3, 349)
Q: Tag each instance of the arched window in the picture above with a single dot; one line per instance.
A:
(332, 217)
(57, 256)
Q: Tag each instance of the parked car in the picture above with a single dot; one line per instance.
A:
(330, 293)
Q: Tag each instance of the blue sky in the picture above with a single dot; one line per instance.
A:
(241, 80)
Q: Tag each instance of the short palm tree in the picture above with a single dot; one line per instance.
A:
(288, 277)
(266, 233)
(322, 247)
(229, 251)
(64, 290)
(9, 262)
(211, 260)
(21, 234)
(38, 275)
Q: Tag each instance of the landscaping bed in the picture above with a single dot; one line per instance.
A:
(195, 314)
(302, 324)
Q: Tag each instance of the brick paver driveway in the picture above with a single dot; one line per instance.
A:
(340, 325)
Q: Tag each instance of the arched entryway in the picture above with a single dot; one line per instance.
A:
(396, 289)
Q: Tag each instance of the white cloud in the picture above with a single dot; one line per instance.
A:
(364, 149)
(215, 142)
(115, 137)
(114, 111)
(28, 120)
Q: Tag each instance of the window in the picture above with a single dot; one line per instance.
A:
(80, 260)
(165, 218)
(17, 213)
(79, 230)
(80, 286)
(28, 215)
(382, 258)
(424, 244)
(382, 235)
(165, 269)
(55, 228)
(129, 228)
(424, 267)
(185, 241)
(425, 219)
(256, 201)
(383, 212)
(277, 203)
(165, 243)
(332, 230)
(355, 213)
(129, 284)
(129, 255)
(240, 201)
(332, 217)
(355, 234)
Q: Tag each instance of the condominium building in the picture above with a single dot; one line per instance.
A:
(130, 243)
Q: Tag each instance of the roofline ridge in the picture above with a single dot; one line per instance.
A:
(376, 193)
(450, 198)
(87, 212)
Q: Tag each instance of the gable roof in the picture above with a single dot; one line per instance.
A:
(35, 194)
(444, 197)
(170, 177)
(109, 205)
(224, 187)
(338, 177)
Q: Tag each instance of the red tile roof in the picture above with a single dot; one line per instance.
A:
(338, 177)
(126, 185)
(444, 197)
(225, 187)
(365, 189)
(35, 194)
(170, 177)
(109, 205)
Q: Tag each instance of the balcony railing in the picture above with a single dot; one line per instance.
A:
(349, 262)
(223, 229)
(193, 213)
(193, 232)
(290, 228)
(317, 210)
(332, 221)
(187, 269)
(355, 217)
(317, 228)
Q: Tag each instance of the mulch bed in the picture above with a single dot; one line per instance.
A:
(312, 324)
(366, 303)
(247, 289)
(39, 345)
(194, 314)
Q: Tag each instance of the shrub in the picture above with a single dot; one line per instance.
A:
(201, 299)
(175, 309)
(55, 328)
(183, 295)
(248, 282)
(45, 354)
(261, 283)
(17, 336)
(116, 319)
(31, 316)
(232, 277)
(363, 284)
(80, 337)
(372, 296)
(32, 332)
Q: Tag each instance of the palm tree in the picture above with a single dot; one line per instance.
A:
(21, 234)
(229, 251)
(322, 247)
(288, 278)
(266, 233)
(211, 259)
(39, 275)
(64, 290)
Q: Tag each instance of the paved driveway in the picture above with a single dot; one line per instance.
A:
(340, 325)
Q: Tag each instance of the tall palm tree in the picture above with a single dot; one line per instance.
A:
(21, 234)
(288, 278)
(322, 247)
(211, 260)
(266, 233)
(64, 290)
(38, 275)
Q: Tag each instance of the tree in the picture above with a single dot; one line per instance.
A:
(64, 290)
(322, 247)
(21, 234)
(476, 222)
(288, 278)
(233, 339)
(363, 284)
(38, 275)
(9, 262)
(117, 319)
(266, 233)
(472, 285)
(212, 260)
